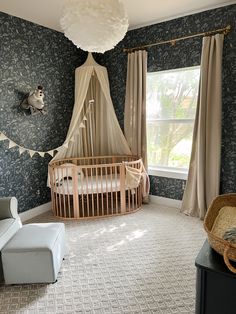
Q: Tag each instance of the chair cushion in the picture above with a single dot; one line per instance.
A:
(35, 237)
(8, 227)
(8, 208)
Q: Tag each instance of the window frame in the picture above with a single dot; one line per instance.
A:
(171, 172)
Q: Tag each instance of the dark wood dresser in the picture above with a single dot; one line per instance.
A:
(215, 284)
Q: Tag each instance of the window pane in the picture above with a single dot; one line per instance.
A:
(171, 107)
(169, 144)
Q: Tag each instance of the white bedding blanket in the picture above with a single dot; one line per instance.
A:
(92, 185)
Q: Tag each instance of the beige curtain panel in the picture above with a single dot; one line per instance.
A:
(135, 104)
(204, 172)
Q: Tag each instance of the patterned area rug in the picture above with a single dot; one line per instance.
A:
(137, 263)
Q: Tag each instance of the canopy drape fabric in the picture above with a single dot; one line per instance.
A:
(135, 108)
(135, 104)
(94, 129)
(204, 172)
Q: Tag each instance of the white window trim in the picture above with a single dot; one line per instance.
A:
(171, 120)
(168, 172)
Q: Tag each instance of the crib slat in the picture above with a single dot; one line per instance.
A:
(63, 198)
(52, 184)
(122, 188)
(75, 191)
(56, 195)
(92, 188)
(87, 191)
(129, 191)
(82, 193)
(116, 193)
(132, 199)
(101, 186)
(68, 193)
(96, 172)
(111, 178)
(107, 200)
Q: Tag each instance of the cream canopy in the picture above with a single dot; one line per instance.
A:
(94, 129)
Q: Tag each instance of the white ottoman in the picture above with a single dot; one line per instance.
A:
(34, 254)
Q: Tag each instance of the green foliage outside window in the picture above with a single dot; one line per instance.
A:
(171, 107)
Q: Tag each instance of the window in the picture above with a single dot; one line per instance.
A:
(171, 107)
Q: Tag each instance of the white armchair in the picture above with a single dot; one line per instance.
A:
(10, 222)
(32, 253)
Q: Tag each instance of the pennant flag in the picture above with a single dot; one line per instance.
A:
(31, 152)
(3, 137)
(12, 144)
(41, 154)
(21, 150)
(51, 152)
(82, 125)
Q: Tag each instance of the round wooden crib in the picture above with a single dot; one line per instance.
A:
(93, 187)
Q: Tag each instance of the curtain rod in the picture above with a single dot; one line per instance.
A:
(224, 30)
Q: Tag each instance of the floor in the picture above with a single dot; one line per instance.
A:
(138, 263)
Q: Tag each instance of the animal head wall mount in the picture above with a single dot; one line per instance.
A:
(33, 101)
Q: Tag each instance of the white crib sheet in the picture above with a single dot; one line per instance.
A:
(99, 184)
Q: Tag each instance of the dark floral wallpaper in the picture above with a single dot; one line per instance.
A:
(31, 55)
(184, 54)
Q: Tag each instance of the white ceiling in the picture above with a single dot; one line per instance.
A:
(140, 12)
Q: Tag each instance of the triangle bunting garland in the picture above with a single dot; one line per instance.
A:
(31, 152)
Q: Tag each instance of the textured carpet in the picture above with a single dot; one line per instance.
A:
(138, 263)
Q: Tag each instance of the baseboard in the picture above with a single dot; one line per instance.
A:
(31, 213)
(165, 201)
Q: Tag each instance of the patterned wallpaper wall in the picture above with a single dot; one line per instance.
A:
(31, 55)
(184, 54)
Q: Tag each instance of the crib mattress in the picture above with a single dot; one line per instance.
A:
(91, 185)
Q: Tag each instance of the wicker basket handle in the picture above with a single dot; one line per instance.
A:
(226, 259)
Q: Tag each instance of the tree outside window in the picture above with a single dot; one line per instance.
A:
(171, 107)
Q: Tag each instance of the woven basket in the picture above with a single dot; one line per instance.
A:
(223, 247)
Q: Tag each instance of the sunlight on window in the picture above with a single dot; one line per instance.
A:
(171, 107)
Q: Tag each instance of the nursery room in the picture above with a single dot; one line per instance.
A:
(117, 156)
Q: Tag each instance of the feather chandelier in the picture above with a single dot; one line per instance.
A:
(94, 25)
